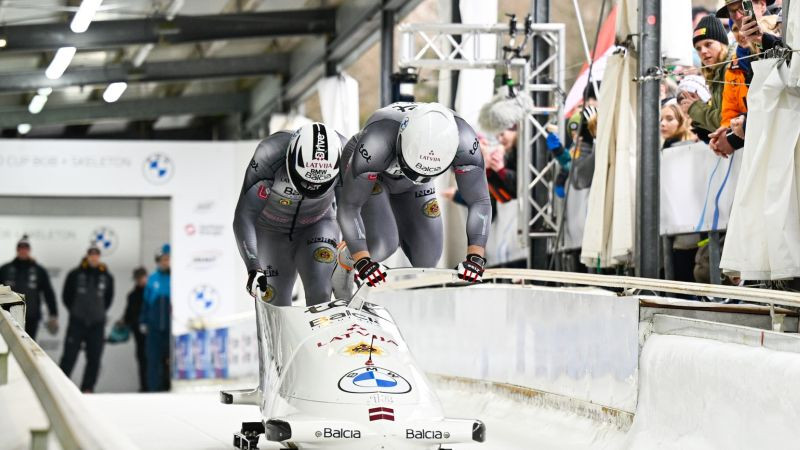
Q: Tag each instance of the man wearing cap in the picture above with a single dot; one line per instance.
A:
(25, 276)
(88, 292)
(155, 320)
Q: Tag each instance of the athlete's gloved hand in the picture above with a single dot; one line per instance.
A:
(256, 280)
(370, 272)
(471, 269)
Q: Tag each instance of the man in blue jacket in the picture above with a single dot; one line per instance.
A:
(155, 322)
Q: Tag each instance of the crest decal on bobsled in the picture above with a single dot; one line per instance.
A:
(369, 380)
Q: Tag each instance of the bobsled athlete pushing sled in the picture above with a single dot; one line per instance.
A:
(339, 374)
(331, 374)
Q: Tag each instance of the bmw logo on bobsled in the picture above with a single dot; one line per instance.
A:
(340, 375)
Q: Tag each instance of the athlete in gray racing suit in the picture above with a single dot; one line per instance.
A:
(285, 220)
(388, 197)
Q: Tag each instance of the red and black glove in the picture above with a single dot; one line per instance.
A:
(370, 272)
(471, 269)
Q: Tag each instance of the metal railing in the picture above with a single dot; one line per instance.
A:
(71, 421)
(419, 278)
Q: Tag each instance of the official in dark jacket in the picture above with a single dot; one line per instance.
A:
(131, 319)
(156, 321)
(28, 278)
(88, 292)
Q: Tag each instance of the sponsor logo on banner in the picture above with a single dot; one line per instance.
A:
(204, 299)
(204, 207)
(358, 332)
(371, 379)
(205, 260)
(338, 433)
(426, 434)
(204, 229)
(105, 239)
(381, 413)
(158, 168)
(431, 208)
(324, 255)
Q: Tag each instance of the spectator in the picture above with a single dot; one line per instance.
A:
(88, 292)
(711, 43)
(698, 13)
(675, 131)
(503, 164)
(155, 320)
(25, 276)
(737, 78)
(131, 319)
(762, 32)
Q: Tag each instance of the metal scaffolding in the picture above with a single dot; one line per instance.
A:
(457, 47)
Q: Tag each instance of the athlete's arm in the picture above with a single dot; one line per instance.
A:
(371, 151)
(258, 180)
(472, 185)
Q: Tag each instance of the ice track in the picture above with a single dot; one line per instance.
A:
(198, 421)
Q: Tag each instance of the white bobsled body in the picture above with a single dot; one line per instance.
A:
(336, 376)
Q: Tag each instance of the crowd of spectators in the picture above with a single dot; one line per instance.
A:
(87, 295)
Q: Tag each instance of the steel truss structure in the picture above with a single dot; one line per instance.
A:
(458, 46)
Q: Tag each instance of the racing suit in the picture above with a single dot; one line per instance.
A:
(380, 209)
(282, 232)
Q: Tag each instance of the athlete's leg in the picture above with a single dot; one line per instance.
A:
(315, 257)
(420, 223)
(275, 257)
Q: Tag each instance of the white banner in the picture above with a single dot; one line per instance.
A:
(697, 189)
(202, 179)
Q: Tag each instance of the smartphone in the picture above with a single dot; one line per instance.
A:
(747, 6)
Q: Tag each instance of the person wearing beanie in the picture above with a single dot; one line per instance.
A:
(26, 277)
(88, 291)
(711, 43)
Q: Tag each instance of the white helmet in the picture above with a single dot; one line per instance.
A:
(427, 142)
(312, 159)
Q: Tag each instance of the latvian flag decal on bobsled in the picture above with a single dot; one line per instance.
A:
(381, 413)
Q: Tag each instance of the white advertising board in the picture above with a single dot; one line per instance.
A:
(697, 189)
(202, 179)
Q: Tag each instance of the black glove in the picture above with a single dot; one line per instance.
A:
(471, 269)
(369, 271)
(259, 277)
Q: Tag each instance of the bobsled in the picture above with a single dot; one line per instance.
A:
(340, 375)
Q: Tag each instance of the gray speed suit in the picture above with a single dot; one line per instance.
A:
(281, 232)
(380, 209)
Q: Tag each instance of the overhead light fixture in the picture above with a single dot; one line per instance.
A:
(173, 8)
(114, 91)
(46, 91)
(60, 62)
(84, 16)
(3, 42)
(23, 128)
(141, 54)
(37, 103)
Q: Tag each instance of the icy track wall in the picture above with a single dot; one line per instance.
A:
(578, 344)
(705, 394)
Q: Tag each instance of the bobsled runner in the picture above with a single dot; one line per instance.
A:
(339, 374)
